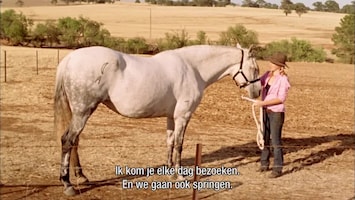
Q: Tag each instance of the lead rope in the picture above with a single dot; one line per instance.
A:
(259, 124)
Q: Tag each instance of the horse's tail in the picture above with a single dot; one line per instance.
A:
(62, 111)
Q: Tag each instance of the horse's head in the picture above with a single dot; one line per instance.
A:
(247, 75)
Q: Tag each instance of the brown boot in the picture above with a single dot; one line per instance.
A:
(262, 169)
(275, 174)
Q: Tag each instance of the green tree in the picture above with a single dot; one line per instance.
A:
(14, 27)
(20, 3)
(66, 1)
(344, 39)
(331, 6)
(300, 8)
(249, 3)
(287, 6)
(261, 3)
(238, 34)
(271, 6)
(318, 6)
(208, 3)
(349, 8)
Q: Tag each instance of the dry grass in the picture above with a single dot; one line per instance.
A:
(132, 20)
(318, 132)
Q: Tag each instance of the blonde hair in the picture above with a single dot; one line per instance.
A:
(282, 71)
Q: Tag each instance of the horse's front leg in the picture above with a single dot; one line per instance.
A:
(170, 140)
(180, 127)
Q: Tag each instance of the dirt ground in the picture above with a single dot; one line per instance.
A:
(318, 138)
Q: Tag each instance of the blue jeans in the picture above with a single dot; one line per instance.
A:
(273, 122)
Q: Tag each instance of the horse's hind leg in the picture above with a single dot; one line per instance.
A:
(75, 162)
(180, 128)
(182, 115)
(69, 139)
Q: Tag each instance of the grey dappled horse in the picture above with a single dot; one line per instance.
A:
(169, 84)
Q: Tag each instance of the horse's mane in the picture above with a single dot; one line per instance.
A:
(203, 53)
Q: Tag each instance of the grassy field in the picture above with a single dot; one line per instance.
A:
(318, 135)
(133, 20)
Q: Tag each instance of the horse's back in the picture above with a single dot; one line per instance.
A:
(136, 86)
(84, 58)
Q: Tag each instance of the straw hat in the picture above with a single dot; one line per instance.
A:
(278, 59)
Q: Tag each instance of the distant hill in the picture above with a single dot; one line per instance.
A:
(28, 3)
(12, 3)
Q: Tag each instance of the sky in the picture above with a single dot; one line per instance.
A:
(307, 3)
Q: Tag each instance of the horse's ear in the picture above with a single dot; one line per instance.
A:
(238, 46)
(252, 47)
(252, 50)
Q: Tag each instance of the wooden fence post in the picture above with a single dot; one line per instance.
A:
(198, 160)
(5, 65)
(57, 56)
(37, 61)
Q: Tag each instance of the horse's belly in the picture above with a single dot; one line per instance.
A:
(142, 109)
(141, 112)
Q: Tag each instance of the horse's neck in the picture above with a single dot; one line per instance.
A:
(214, 63)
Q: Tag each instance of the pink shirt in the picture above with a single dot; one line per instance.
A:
(278, 89)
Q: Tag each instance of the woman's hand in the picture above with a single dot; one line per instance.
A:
(258, 103)
(268, 102)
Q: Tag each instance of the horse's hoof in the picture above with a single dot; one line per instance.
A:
(70, 191)
(83, 180)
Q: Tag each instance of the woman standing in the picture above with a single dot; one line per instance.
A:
(275, 86)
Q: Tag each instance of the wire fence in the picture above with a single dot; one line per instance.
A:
(29, 61)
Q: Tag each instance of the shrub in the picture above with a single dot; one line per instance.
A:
(92, 33)
(302, 50)
(238, 34)
(201, 37)
(14, 27)
(297, 50)
(136, 45)
(71, 31)
(81, 32)
(46, 34)
(173, 40)
(114, 43)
